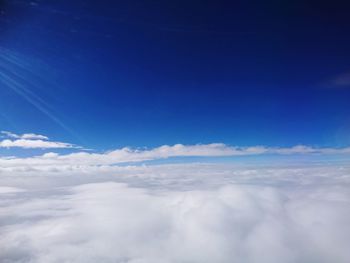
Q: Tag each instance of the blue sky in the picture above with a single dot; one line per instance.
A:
(145, 131)
(140, 74)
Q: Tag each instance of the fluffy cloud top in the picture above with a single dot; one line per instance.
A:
(231, 216)
(84, 207)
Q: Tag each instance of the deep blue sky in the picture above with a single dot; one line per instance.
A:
(106, 74)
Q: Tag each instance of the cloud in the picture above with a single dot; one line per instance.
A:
(33, 136)
(24, 143)
(31, 140)
(7, 190)
(85, 160)
(28, 136)
(127, 219)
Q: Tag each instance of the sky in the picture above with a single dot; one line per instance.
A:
(174, 131)
(144, 74)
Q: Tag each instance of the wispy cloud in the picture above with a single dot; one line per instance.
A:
(29, 136)
(125, 155)
(25, 143)
(31, 140)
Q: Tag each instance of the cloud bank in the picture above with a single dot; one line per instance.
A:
(86, 207)
(126, 219)
(86, 160)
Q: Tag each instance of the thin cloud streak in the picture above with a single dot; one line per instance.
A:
(125, 155)
(29, 136)
(31, 140)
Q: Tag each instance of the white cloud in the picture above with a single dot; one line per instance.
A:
(31, 140)
(9, 190)
(179, 213)
(84, 207)
(126, 154)
(33, 136)
(86, 159)
(26, 144)
(28, 136)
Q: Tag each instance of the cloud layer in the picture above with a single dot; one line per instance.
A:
(86, 160)
(223, 215)
(87, 207)
(81, 159)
